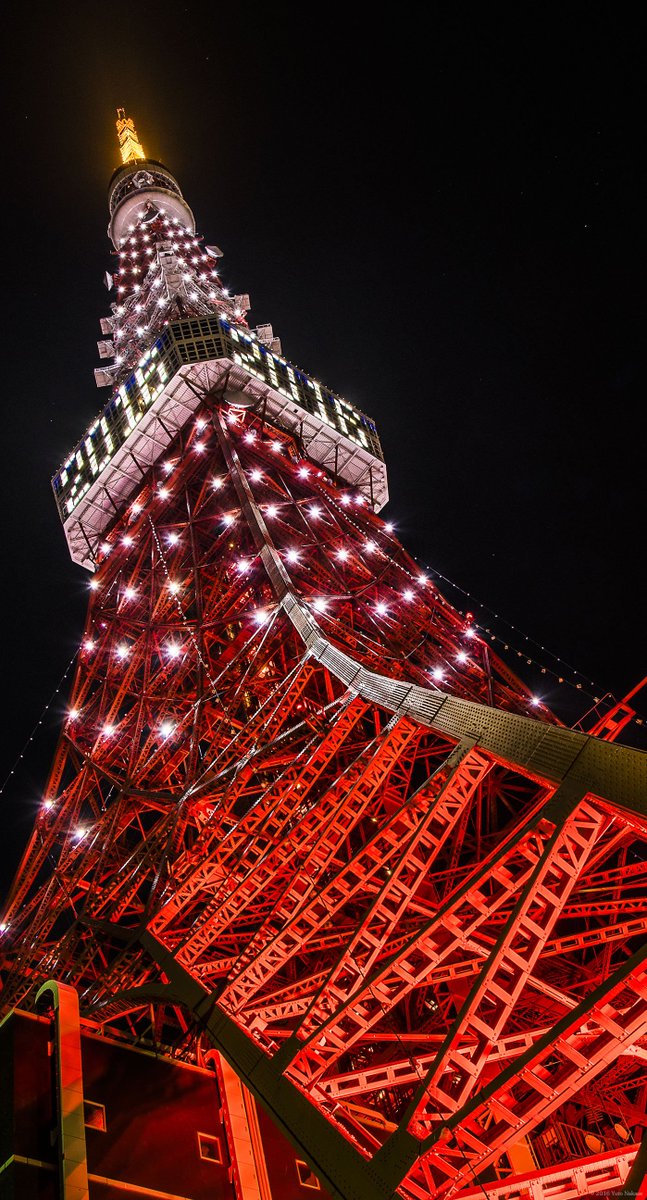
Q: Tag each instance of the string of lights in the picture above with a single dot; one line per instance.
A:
(40, 721)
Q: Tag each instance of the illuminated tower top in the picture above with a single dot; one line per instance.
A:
(129, 143)
(174, 333)
(141, 186)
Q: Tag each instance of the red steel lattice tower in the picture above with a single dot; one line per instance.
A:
(299, 810)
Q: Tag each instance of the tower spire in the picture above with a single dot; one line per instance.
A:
(130, 146)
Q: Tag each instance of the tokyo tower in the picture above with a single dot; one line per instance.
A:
(303, 827)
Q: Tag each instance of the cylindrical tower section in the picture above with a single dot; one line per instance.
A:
(142, 186)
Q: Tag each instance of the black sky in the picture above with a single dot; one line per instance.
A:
(441, 211)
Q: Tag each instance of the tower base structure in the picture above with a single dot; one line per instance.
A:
(136, 1124)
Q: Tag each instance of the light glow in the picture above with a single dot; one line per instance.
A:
(130, 146)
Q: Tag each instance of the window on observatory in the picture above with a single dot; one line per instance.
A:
(94, 1115)
(307, 1178)
(209, 1147)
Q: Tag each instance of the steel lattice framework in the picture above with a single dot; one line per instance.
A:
(412, 919)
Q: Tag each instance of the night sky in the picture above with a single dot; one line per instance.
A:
(444, 222)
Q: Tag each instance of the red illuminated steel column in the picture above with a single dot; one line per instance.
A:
(73, 1164)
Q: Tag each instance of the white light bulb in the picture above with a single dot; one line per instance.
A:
(319, 604)
(408, 595)
(342, 555)
(438, 673)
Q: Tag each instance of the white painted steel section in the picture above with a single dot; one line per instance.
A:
(148, 441)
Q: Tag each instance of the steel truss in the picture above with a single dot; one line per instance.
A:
(413, 919)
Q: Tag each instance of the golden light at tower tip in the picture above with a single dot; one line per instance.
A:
(130, 146)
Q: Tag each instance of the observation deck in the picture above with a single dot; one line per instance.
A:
(188, 360)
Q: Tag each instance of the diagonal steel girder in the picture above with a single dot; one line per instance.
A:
(395, 1170)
